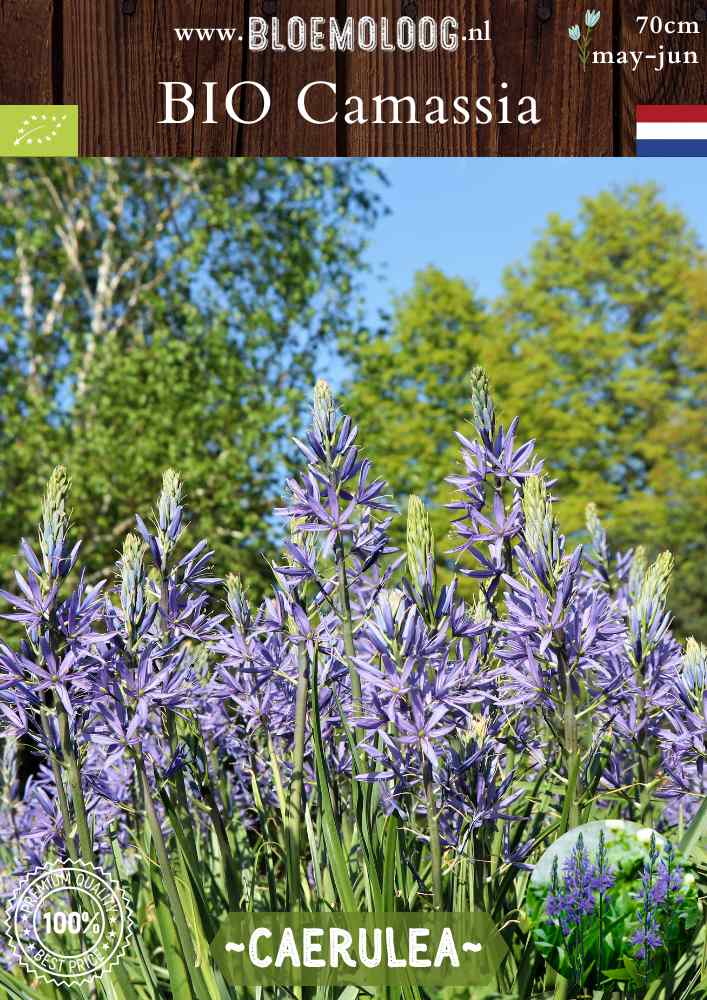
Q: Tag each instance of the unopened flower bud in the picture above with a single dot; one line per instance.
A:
(694, 670)
(539, 516)
(8, 772)
(596, 533)
(654, 588)
(132, 578)
(482, 410)
(420, 541)
(237, 600)
(592, 519)
(55, 520)
(170, 501)
(324, 409)
(637, 571)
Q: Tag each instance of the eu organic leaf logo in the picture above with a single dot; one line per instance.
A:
(39, 129)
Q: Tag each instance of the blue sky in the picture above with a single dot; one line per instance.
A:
(472, 217)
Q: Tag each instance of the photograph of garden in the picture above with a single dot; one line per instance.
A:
(352, 542)
(621, 905)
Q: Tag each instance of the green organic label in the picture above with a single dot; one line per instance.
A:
(335, 949)
(39, 130)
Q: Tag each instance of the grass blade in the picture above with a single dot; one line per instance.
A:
(337, 859)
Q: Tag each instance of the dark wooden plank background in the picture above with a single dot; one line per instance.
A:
(108, 56)
(29, 31)
(675, 84)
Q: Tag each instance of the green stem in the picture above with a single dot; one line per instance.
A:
(570, 812)
(71, 763)
(234, 885)
(599, 939)
(165, 868)
(433, 830)
(347, 623)
(295, 810)
(212, 797)
(569, 808)
(171, 719)
(61, 792)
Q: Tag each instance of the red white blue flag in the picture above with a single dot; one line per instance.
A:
(671, 130)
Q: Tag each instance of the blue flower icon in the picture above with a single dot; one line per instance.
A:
(591, 20)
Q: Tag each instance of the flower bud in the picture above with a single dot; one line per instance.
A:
(539, 517)
(637, 572)
(324, 410)
(132, 579)
(654, 588)
(593, 523)
(596, 532)
(480, 614)
(170, 501)
(237, 600)
(420, 542)
(694, 670)
(8, 772)
(482, 411)
(55, 521)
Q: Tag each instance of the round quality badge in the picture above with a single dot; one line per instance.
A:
(68, 923)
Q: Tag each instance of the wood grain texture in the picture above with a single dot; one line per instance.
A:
(533, 51)
(529, 51)
(198, 61)
(27, 37)
(129, 57)
(110, 56)
(415, 74)
(683, 84)
(284, 74)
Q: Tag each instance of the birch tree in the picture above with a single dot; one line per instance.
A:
(157, 312)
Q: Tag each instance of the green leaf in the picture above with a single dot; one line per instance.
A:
(16, 989)
(362, 797)
(695, 831)
(390, 841)
(179, 981)
(337, 859)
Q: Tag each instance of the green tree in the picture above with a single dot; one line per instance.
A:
(165, 312)
(408, 390)
(597, 341)
(596, 349)
(682, 440)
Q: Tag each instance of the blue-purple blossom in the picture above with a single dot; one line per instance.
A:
(573, 899)
(647, 937)
(558, 672)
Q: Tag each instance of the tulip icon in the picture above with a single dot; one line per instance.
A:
(591, 20)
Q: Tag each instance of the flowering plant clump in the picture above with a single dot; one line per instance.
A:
(622, 911)
(375, 734)
(583, 892)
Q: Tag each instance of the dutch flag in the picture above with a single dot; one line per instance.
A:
(671, 130)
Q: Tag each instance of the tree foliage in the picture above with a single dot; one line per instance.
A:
(598, 338)
(410, 386)
(157, 312)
